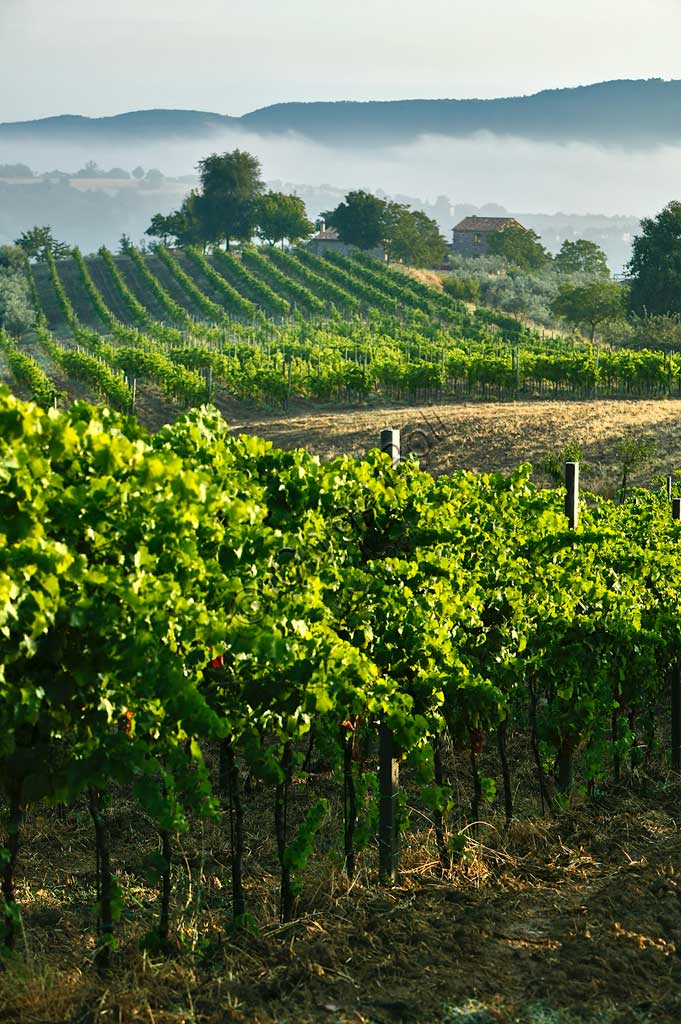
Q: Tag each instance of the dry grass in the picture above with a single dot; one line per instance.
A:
(493, 436)
(432, 278)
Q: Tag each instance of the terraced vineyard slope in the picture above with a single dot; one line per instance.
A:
(272, 326)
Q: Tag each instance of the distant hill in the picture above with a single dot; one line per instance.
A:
(627, 113)
(130, 127)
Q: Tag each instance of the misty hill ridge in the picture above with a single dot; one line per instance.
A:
(626, 112)
(120, 127)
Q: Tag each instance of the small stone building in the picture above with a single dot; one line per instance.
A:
(327, 240)
(470, 236)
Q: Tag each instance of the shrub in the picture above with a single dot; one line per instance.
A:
(467, 289)
(16, 309)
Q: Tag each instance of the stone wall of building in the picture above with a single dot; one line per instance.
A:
(467, 243)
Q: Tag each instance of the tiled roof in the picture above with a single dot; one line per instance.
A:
(485, 225)
(327, 235)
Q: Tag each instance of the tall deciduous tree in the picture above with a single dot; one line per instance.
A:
(367, 221)
(361, 220)
(591, 304)
(581, 257)
(224, 208)
(182, 227)
(413, 237)
(231, 185)
(38, 241)
(655, 265)
(282, 216)
(520, 246)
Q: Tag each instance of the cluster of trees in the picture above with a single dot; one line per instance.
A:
(520, 275)
(15, 171)
(652, 295)
(589, 302)
(522, 248)
(153, 177)
(232, 205)
(496, 282)
(409, 236)
(655, 266)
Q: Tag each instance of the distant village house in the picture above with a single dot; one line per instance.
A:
(327, 240)
(470, 236)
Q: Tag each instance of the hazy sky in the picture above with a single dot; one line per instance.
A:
(231, 56)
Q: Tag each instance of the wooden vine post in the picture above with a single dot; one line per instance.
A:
(388, 765)
(676, 678)
(572, 494)
(572, 513)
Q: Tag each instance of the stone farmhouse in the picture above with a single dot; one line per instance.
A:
(471, 235)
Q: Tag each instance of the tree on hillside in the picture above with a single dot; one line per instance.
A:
(224, 207)
(413, 237)
(138, 173)
(281, 216)
(15, 171)
(520, 246)
(361, 220)
(182, 227)
(38, 241)
(367, 221)
(90, 170)
(581, 257)
(164, 227)
(153, 178)
(591, 304)
(227, 203)
(655, 264)
(124, 245)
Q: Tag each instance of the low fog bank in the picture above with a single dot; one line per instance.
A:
(517, 175)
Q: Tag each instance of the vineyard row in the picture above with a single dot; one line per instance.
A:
(171, 596)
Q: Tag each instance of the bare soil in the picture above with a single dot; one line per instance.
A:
(555, 921)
